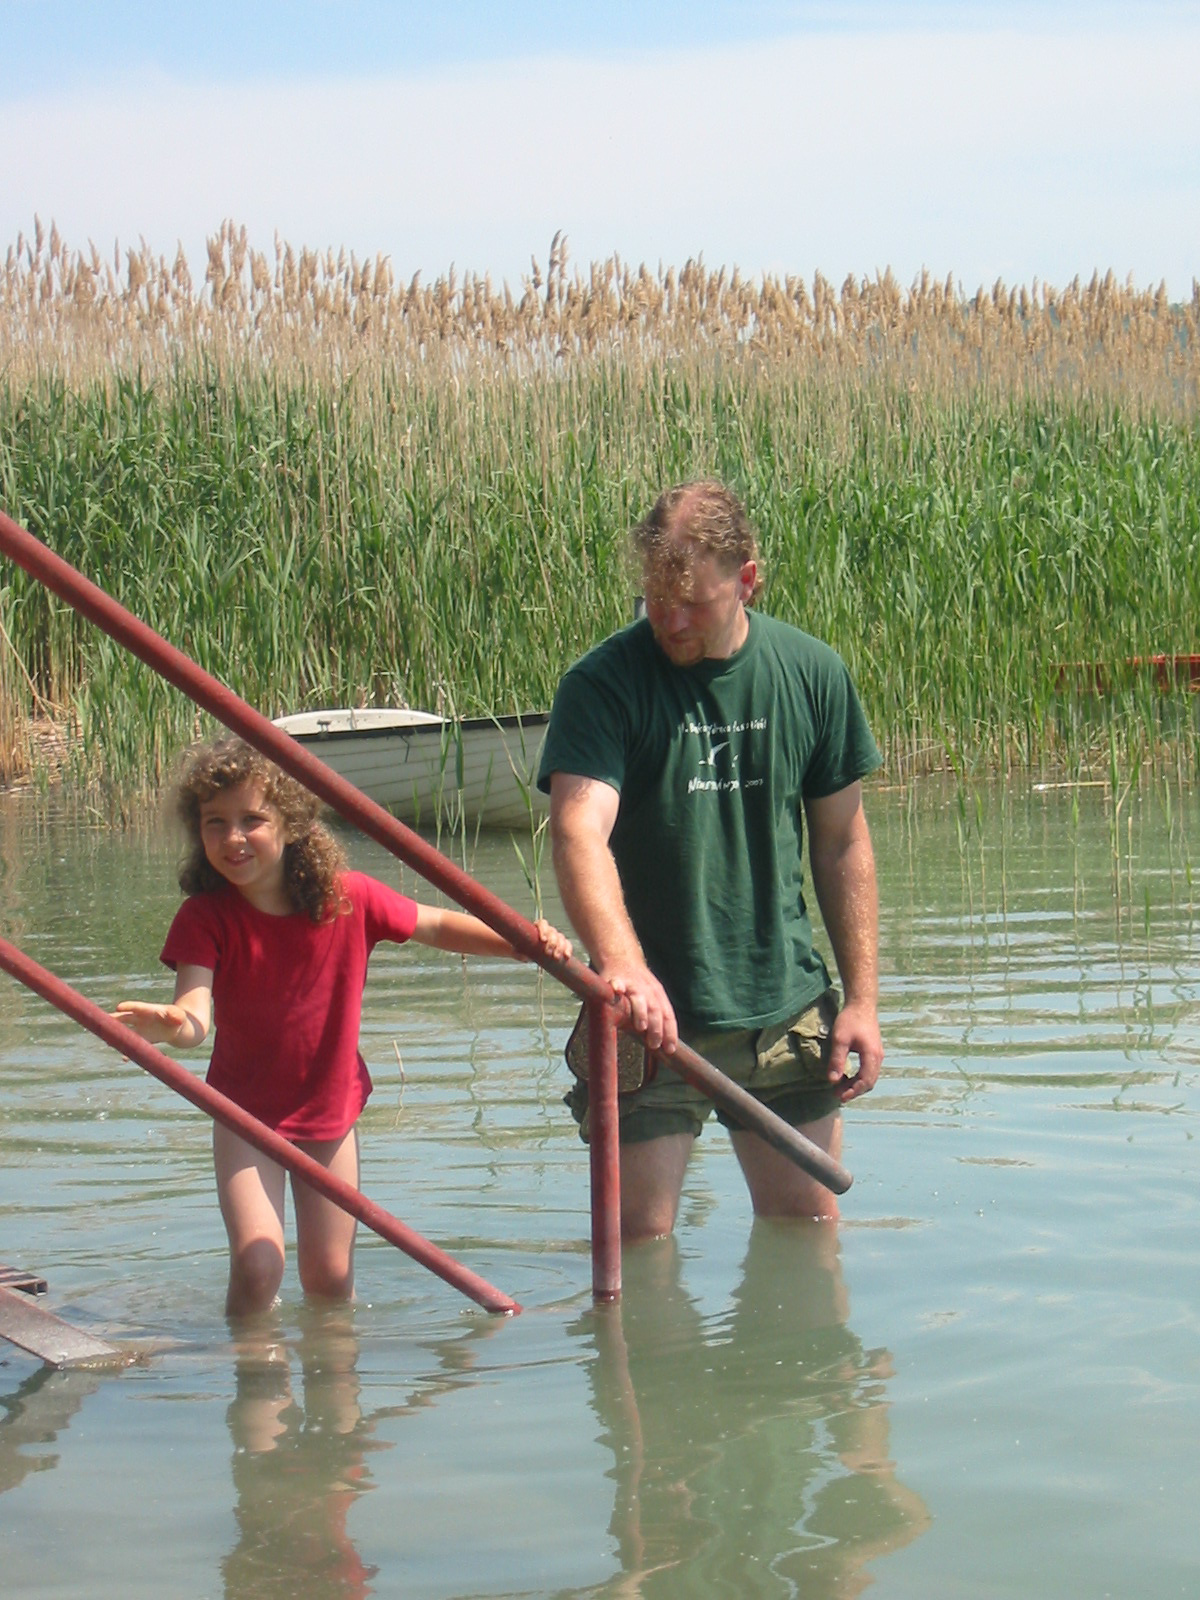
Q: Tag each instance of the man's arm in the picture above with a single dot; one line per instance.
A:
(582, 814)
(843, 873)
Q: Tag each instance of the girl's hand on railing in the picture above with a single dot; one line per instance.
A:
(555, 944)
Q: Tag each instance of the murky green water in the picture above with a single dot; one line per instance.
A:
(986, 1384)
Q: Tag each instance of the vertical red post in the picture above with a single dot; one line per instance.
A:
(604, 1151)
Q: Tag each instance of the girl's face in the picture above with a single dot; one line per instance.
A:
(243, 840)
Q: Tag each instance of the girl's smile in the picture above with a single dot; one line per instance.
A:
(244, 840)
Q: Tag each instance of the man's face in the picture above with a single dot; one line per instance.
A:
(696, 603)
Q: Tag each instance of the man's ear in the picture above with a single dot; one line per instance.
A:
(747, 578)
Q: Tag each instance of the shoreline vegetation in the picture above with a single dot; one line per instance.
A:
(331, 488)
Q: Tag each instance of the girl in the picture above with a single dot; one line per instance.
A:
(276, 933)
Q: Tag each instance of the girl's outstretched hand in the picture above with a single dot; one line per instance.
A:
(556, 945)
(157, 1024)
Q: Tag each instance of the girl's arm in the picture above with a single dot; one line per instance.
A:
(184, 1023)
(456, 930)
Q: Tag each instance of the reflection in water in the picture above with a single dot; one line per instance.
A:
(1044, 1071)
(299, 1459)
(298, 1465)
(35, 1415)
(750, 1449)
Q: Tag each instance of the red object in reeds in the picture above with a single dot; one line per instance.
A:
(1173, 672)
(1169, 673)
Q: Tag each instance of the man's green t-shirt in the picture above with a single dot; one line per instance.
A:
(712, 763)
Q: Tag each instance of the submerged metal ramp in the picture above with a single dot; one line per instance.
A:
(39, 1332)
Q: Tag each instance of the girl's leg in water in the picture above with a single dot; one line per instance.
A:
(250, 1188)
(324, 1232)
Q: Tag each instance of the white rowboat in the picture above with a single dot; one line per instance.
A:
(427, 769)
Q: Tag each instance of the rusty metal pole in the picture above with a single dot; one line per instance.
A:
(63, 580)
(92, 602)
(604, 1151)
(218, 1106)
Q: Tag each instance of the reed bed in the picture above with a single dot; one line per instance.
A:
(331, 488)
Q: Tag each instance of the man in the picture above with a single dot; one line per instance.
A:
(684, 756)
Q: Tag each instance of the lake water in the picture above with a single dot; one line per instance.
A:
(985, 1382)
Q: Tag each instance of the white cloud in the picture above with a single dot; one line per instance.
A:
(987, 155)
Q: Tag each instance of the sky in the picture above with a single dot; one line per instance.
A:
(976, 140)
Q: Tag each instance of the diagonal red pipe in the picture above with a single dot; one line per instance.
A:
(170, 663)
(92, 602)
(380, 825)
(247, 1127)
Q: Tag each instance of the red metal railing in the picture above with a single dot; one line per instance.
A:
(606, 1011)
(1168, 673)
(222, 1109)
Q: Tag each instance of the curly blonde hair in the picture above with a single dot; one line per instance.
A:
(313, 860)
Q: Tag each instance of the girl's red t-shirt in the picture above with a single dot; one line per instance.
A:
(287, 1000)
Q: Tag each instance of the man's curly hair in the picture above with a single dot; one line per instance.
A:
(313, 860)
(704, 512)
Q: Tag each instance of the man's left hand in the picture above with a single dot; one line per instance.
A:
(855, 1031)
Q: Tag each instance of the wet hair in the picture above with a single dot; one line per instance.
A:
(708, 515)
(312, 858)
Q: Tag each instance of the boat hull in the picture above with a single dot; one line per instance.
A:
(432, 771)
